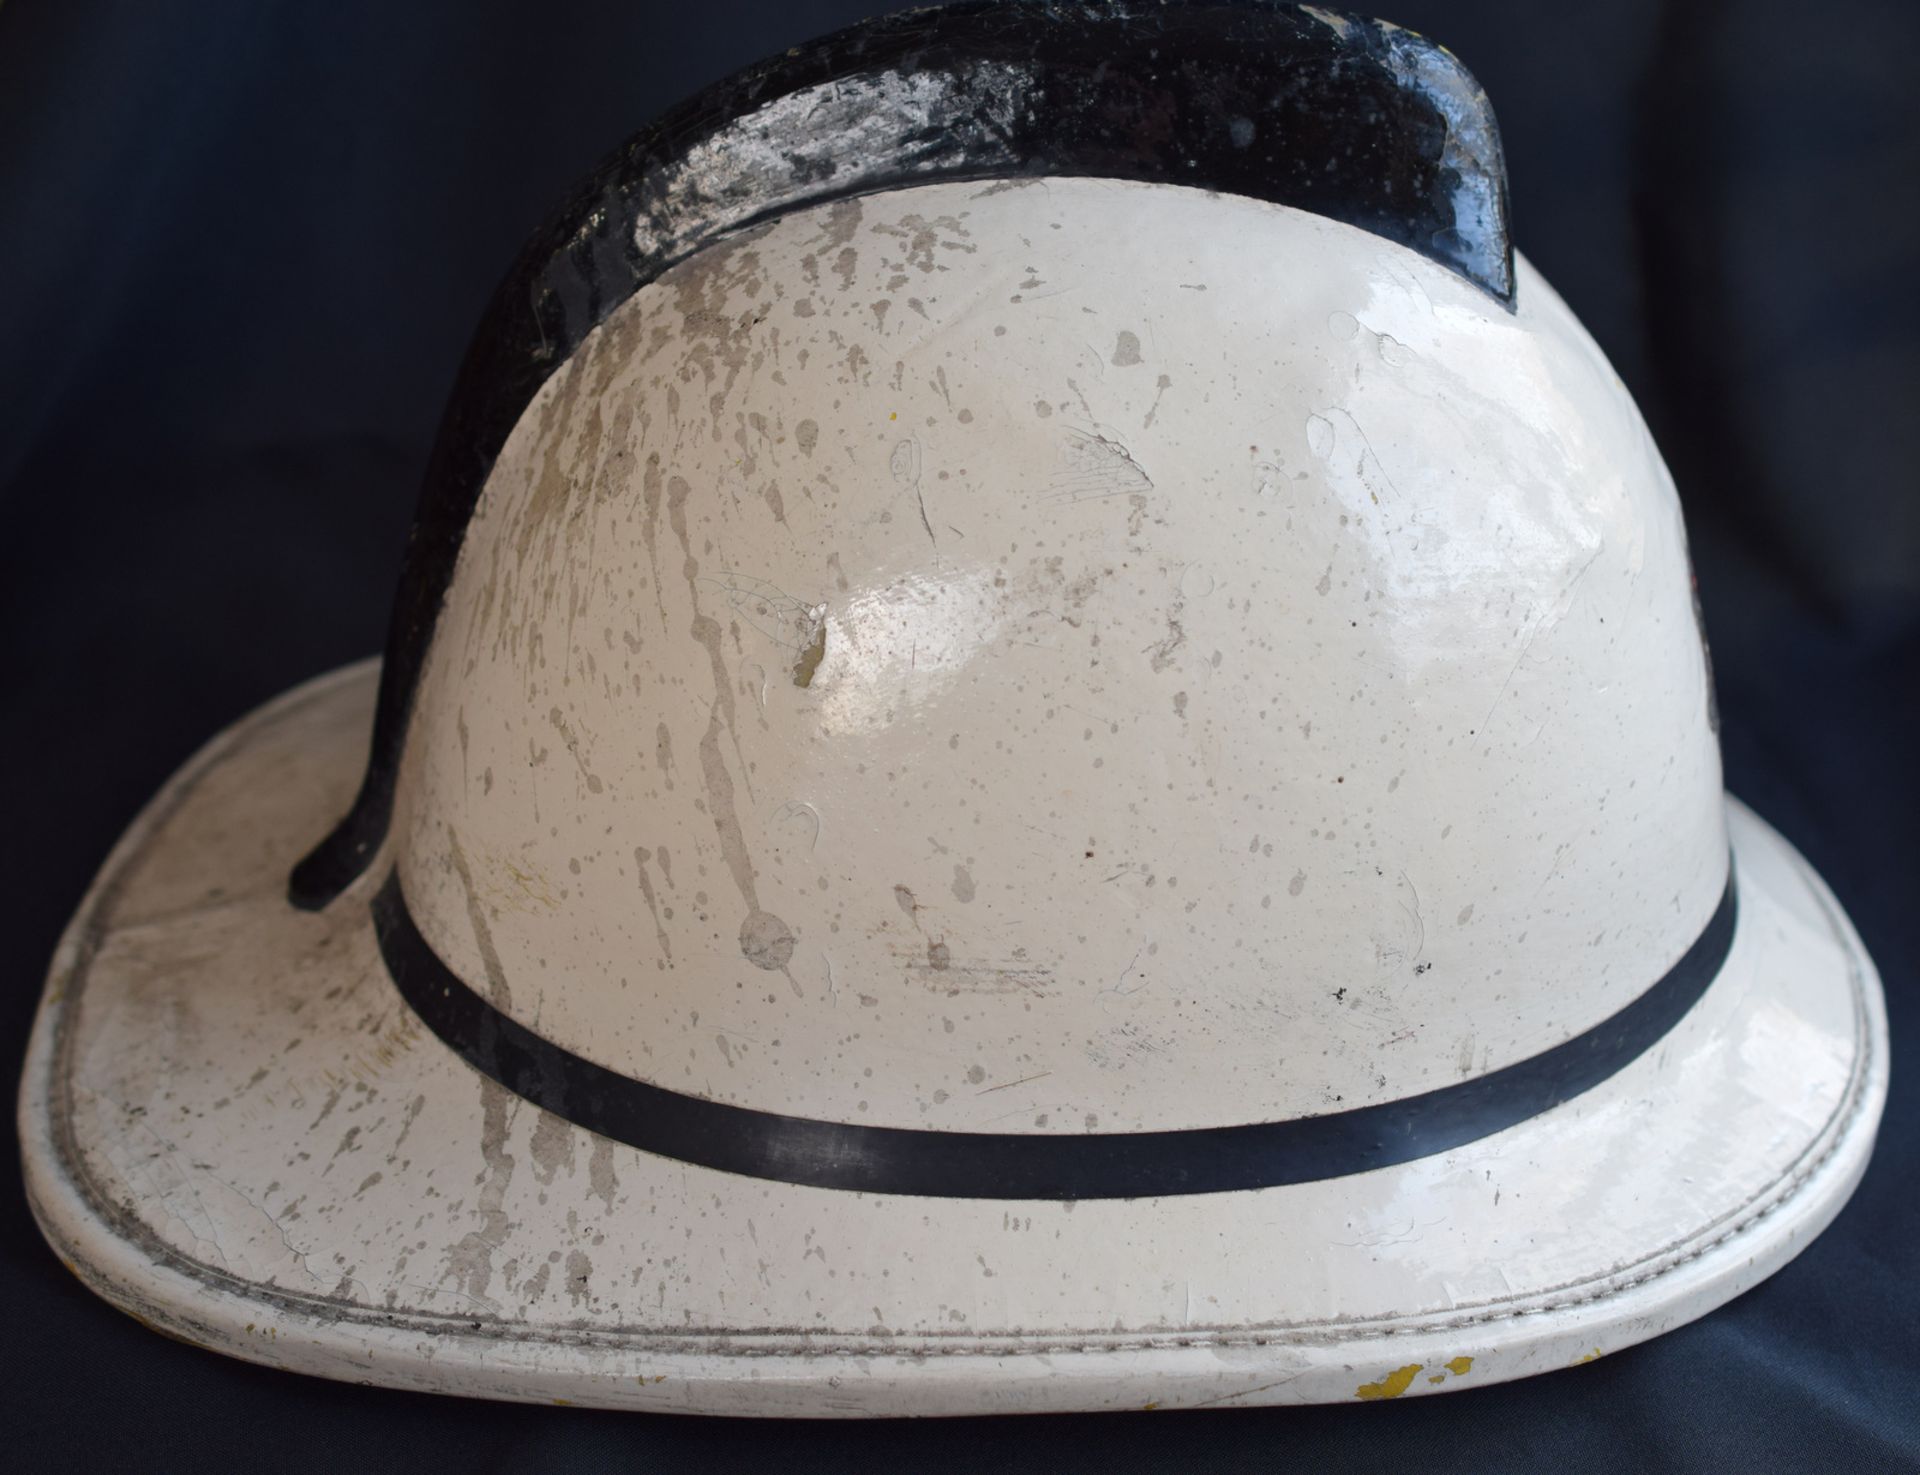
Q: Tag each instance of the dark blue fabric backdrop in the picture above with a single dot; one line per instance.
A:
(241, 247)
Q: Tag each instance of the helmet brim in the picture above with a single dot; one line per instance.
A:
(235, 1129)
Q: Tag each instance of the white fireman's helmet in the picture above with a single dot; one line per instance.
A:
(1045, 746)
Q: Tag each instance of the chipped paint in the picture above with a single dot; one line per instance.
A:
(813, 654)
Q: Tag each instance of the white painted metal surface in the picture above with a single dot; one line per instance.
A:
(1223, 634)
(1078, 658)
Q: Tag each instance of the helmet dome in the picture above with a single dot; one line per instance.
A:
(1064, 657)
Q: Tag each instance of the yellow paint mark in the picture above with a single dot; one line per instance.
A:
(894, 416)
(1147, 1408)
(1438, 1378)
(643, 1379)
(1590, 1357)
(1460, 1366)
(1392, 1385)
